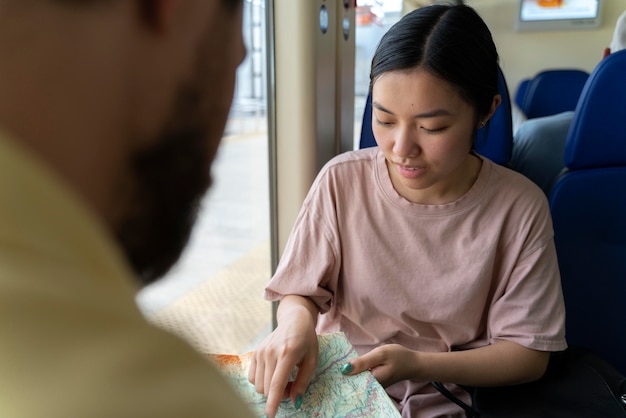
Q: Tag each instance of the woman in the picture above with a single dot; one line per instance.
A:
(438, 264)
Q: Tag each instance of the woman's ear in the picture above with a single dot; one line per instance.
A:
(497, 99)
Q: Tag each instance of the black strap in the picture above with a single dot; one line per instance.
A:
(469, 411)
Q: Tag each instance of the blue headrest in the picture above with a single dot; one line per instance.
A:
(367, 135)
(495, 140)
(597, 136)
(553, 91)
(520, 93)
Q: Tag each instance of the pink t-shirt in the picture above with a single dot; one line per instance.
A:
(429, 277)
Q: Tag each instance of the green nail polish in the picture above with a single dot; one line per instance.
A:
(298, 402)
(346, 368)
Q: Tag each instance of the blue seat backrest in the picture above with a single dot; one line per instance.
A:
(588, 205)
(553, 91)
(367, 135)
(494, 140)
(520, 93)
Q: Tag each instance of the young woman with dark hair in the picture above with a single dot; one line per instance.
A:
(437, 264)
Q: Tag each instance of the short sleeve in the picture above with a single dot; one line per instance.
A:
(531, 310)
(311, 261)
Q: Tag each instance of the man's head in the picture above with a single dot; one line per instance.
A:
(127, 100)
(619, 36)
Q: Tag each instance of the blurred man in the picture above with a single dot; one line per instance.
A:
(111, 112)
(539, 143)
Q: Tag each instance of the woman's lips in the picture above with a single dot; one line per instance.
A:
(410, 172)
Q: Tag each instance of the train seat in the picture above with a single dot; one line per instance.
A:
(367, 134)
(493, 141)
(551, 92)
(520, 92)
(588, 205)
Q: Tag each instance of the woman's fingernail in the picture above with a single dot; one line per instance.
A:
(298, 402)
(346, 368)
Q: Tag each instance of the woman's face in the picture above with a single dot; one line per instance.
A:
(425, 130)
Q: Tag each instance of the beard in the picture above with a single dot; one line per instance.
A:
(169, 181)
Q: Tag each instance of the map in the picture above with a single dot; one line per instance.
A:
(330, 394)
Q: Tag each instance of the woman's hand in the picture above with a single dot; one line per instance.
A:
(389, 364)
(497, 364)
(291, 347)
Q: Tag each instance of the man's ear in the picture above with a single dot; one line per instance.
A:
(157, 14)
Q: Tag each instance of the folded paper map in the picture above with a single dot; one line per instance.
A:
(330, 394)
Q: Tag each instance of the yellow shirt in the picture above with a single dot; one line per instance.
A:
(73, 343)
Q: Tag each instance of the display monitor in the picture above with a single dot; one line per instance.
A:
(540, 15)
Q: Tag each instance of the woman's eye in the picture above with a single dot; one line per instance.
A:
(433, 131)
(383, 123)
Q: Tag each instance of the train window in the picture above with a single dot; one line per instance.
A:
(213, 296)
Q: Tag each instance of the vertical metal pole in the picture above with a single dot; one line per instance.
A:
(346, 51)
(271, 140)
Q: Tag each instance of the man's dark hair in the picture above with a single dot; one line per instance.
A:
(232, 4)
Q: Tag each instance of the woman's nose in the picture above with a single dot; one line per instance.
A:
(405, 143)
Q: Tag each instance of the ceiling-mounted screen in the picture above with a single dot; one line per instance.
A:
(539, 15)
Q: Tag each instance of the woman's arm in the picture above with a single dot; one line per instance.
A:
(293, 344)
(502, 363)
